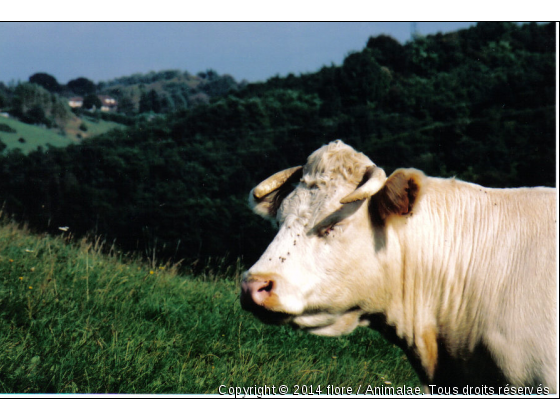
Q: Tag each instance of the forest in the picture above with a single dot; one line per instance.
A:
(42, 100)
(478, 104)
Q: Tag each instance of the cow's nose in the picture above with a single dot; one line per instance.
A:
(256, 289)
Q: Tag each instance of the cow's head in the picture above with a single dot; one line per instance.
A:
(323, 266)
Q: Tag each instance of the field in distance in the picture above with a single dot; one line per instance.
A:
(35, 136)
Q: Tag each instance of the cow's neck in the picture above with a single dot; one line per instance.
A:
(442, 249)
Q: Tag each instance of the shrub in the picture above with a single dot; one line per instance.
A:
(6, 128)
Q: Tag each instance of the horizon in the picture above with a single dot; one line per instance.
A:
(254, 52)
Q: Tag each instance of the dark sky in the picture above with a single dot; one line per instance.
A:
(251, 51)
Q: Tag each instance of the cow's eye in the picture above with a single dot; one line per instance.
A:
(327, 230)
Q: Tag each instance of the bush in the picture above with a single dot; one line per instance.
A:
(37, 116)
(6, 128)
(92, 101)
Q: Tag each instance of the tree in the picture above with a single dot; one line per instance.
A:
(364, 80)
(82, 86)
(150, 102)
(461, 106)
(126, 106)
(208, 75)
(45, 80)
(36, 115)
(34, 104)
(91, 101)
(27, 96)
(387, 51)
(219, 86)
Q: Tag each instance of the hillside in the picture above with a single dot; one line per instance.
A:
(70, 109)
(76, 320)
(168, 90)
(32, 135)
(36, 136)
(478, 104)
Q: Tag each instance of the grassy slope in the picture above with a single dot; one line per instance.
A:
(74, 320)
(94, 127)
(36, 136)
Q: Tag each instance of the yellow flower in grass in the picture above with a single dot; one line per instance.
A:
(21, 278)
(151, 271)
(30, 287)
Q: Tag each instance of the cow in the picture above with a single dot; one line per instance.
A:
(460, 276)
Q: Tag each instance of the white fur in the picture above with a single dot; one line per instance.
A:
(470, 264)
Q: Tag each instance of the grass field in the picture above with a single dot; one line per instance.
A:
(37, 136)
(94, 127)
(33, 136)
(76, 320)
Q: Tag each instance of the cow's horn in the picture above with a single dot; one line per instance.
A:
(375, 179)
(274, 182)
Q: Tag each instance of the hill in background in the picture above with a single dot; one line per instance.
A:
(169, 90)
(478, 104)
(28, 137)
(81, 108)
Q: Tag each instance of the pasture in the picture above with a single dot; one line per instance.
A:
(35, 136)
(77, 319)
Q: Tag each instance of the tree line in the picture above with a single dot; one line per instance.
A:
(42, 100)
(478, 104)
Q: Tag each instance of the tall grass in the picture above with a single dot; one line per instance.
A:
(76, 320)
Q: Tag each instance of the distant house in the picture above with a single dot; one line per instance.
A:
(76, 102)
(108, 103)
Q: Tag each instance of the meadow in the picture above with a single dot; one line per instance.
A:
(36, 136)
(78, 316)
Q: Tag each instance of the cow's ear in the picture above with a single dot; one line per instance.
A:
(265, 198)
(399, 194)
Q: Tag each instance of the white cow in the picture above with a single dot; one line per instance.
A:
(461, 276)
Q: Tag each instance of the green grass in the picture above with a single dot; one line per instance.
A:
(76, 320)
(34, 136)
(96, 127)
(38, 136)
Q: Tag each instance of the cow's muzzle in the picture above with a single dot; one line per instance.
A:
(258, 296)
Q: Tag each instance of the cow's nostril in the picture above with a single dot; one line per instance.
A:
(255, 290)
(267, 287)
